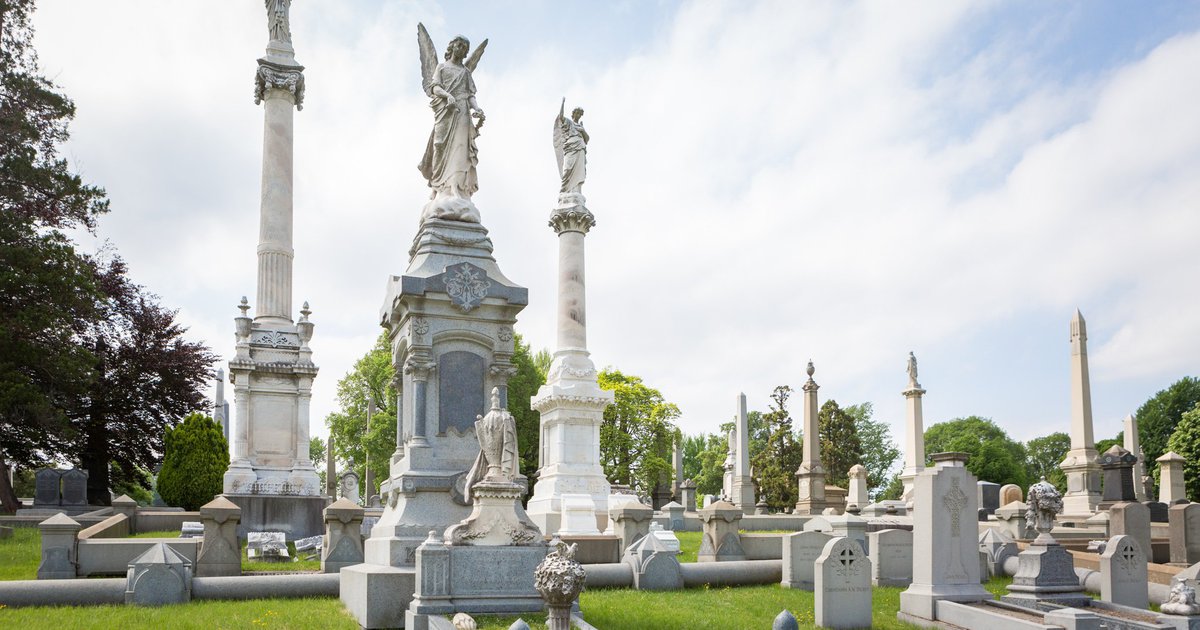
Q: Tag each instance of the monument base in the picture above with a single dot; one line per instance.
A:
(1045, 573)
(488, 580)
(295, 516)
(920, 600)
(377, 596)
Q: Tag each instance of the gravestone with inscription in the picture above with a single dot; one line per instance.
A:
(267, 547)
(800, 552)
(74, 488)
(1124, 577)
(945, 541)
(47, 488)
(891, 557)
(843, 586)
(1184, 528)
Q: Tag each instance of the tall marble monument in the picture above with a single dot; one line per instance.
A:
(914, 445)
(272, 372)
(811, 474)
(743, 484)
(1134, 445)
(571, 402)
(1080, 466)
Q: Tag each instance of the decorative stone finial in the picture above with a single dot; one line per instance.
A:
(305, 311)
(559, 579)
(1045, 502)
(244, 306)
(810, 369)
(496, 399)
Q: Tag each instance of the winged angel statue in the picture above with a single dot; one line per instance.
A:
(570, 147)
(451, 156)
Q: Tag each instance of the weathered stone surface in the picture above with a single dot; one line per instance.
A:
(74, 488)
(891, 557)
(785, 620)
(578, 515)
(1131, 519)
(342, 544)
(377, 596)
(220, 552)
(989, 496)
(59, 559)
(47, 488)
(631, 521)
(655, 563)
(800, 553)
(996, 547)
(1124, 578)
(158, 577)
(848, 525)
(843, 586)
(1184, 527)
(1046, 572)
(267, 547)
(720, 540)
(1172, 487)
(1010, 493)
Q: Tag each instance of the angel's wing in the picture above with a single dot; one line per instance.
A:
(559, 137)
(473, 60)
(429, 59)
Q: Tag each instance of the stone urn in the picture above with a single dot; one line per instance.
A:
(559, 579)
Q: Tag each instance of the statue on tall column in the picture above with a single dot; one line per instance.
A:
(277, 20)
(570, 147)
(450, 156)
(912, 369)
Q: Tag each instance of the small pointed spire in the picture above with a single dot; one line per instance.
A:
(244, 306)
(495, 399)
(220, 374)
(305, 312)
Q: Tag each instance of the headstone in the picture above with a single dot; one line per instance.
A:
(348, 487)
(1184, 528)
(720, 540)
(800, 553)
(762, 508)
(989, 496)
(843, 586)
(59, 534)
(1172, 488)
(674, 512)
(945, 542)
(785, 621)
(311, 543)
(1131, 519)
(267, 547)
(848, 525)
(342, 544)
(688, 489)
(1012, 518)
(158, 577)
(891, 557)
(630, 521)
(1158, 511)
(220, 553)
(857, 498)
(375, 502)
(74, 488)
(578, 515)
(191, 529)
(709, 499)
(1124, 578)
(47, 488)
(1117, 464)
(654, 561)
(1009, 493)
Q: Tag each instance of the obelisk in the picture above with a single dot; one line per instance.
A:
(1134, 445)
(914, 445)
(743, 484)
(1080, 466)
(571, 402)
(273, 371)
(810, 474)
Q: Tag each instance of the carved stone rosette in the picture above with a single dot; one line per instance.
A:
(559, 578)
(279, 76)
(574, 219)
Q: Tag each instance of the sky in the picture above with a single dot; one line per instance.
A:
(773, 182)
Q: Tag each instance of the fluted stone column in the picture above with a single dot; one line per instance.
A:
(811, 474)
(1080, 466)
(914, 445)
(571, 402)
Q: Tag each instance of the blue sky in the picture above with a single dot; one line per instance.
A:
(773, 182)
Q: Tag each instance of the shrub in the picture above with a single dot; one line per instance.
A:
(195, 458)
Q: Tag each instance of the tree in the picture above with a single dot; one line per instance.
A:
(776, 462)
(371, 377)
(522, 387)
(1159, 415)
(146, 375)
(195, 459)
(1044, 455)
(894, 491)
(840, 444)
(993, 456)
(44, 285)
(1185, 441)
(316, 454)
(637, 434)
(879, 451)
(709, 469)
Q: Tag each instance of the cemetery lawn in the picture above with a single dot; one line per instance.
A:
(689, 546)
(21, 554)
(326, 612)
(299, 566)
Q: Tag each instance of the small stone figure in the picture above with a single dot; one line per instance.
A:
(912, 370)
(1181, 601)
(277, 20)
(498, 460)
(451, 155)
(559, 578)
(570, 147)
(1045, 503)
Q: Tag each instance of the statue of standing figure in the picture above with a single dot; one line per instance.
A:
(450, 155)
(912, 370)
(277, 20)
(498, 459)
(570, 147)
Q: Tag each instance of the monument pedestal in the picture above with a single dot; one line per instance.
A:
(1082, 498)
(812, 490)
(1046, 573)
(295, 516)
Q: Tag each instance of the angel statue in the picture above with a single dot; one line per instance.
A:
(277, 20)
(451, 156)
(570, 147)
(912, 369)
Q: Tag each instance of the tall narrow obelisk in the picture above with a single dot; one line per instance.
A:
(273, 371)
(1134, 445)
(914, 446)
(571, 402)
(743, 484)
(1081, 465)
(811, 474)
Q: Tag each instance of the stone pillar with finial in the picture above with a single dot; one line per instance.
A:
(811, 474)
(1081, 465)
(914, 445)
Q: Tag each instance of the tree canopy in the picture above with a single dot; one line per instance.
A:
(775, 463)
(1043, 457)
(637, 435)
(993, 455)
(370, 378)
(879, 451)
(1160, 414)
(840, 444)
(1185, 441)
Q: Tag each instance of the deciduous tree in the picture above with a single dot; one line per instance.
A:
(841, 447)
(1186, 442)
(879, 451)
(776, 462)
(992, 455)
(1043, 456)
(637, 434)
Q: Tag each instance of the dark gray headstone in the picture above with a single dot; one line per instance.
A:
(74, 487)
(461, 379)
(46, 487)
(989, 496)
(1159, 512)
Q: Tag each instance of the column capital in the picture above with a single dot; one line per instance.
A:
(572, 219)
(279, 76)
(419, 368)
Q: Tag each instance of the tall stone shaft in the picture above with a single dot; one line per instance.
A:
(742, 484)
(811, 474)
(1081, 465)
(275, 252)
(1134, 445)
(572, 300)
(914, 436)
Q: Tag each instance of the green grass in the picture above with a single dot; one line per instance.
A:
(689, 545)
(164, 534)
(299, 566)
(202, 615)
(20, 554)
